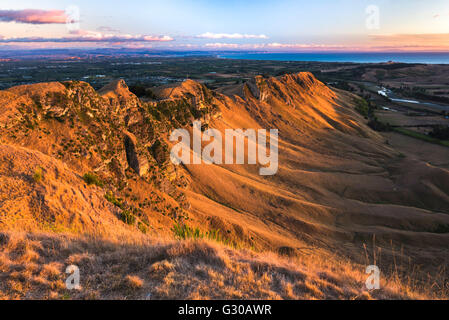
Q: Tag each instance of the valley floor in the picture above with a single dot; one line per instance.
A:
(434, 154)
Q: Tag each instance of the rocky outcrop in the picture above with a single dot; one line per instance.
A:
(124, 103)
(139, 163)
(256, 88)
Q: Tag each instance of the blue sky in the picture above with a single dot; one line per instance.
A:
(288, 25)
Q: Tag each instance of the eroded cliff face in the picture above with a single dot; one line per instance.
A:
(338, 181)
(110, 136)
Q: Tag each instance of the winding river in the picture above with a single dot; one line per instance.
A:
(393, 97)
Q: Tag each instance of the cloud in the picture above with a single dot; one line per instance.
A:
(107, 29)
(429, 39)
(210, 35)
(219, 45)
(304, 46)
(274, 46)
(33, 16)
(377, 43)
(90, 36)
(374, 46)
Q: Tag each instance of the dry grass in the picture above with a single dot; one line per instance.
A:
(32, 267)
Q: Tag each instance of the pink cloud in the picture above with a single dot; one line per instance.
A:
(33, 16)
(210, 35)
(304, 46)
(89, 36)
(431, 39)
(378, 43)
(274, 46)
(107, 29)
(219, 45)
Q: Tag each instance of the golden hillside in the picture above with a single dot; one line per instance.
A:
(89, 174)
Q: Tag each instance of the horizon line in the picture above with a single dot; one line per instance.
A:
(252, 51)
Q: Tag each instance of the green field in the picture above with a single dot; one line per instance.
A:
(421, 136)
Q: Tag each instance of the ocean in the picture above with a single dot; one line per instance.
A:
(359, 57)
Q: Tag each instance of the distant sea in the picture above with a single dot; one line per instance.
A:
(359, 57)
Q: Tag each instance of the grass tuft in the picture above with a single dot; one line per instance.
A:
(184, 232)
(38, 175)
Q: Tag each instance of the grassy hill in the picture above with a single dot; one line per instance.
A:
(85, 179)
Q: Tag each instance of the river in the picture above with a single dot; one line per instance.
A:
(393, 97)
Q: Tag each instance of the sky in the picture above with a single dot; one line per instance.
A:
(276, 26)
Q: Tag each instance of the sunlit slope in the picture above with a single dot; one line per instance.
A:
(340, 193)
(338, 181)
(39, 193)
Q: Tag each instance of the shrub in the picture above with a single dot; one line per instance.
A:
(442, 228)
(377, 125)
(142, 227)
(440, 132)
(363, 107)
(159, 152)
(127, 217)
(112, 199)
(38, 175)
(90, 178)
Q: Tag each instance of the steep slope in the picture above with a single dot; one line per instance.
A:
(339, 185)
(39, 193)
(338, 182)
(113, 138)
